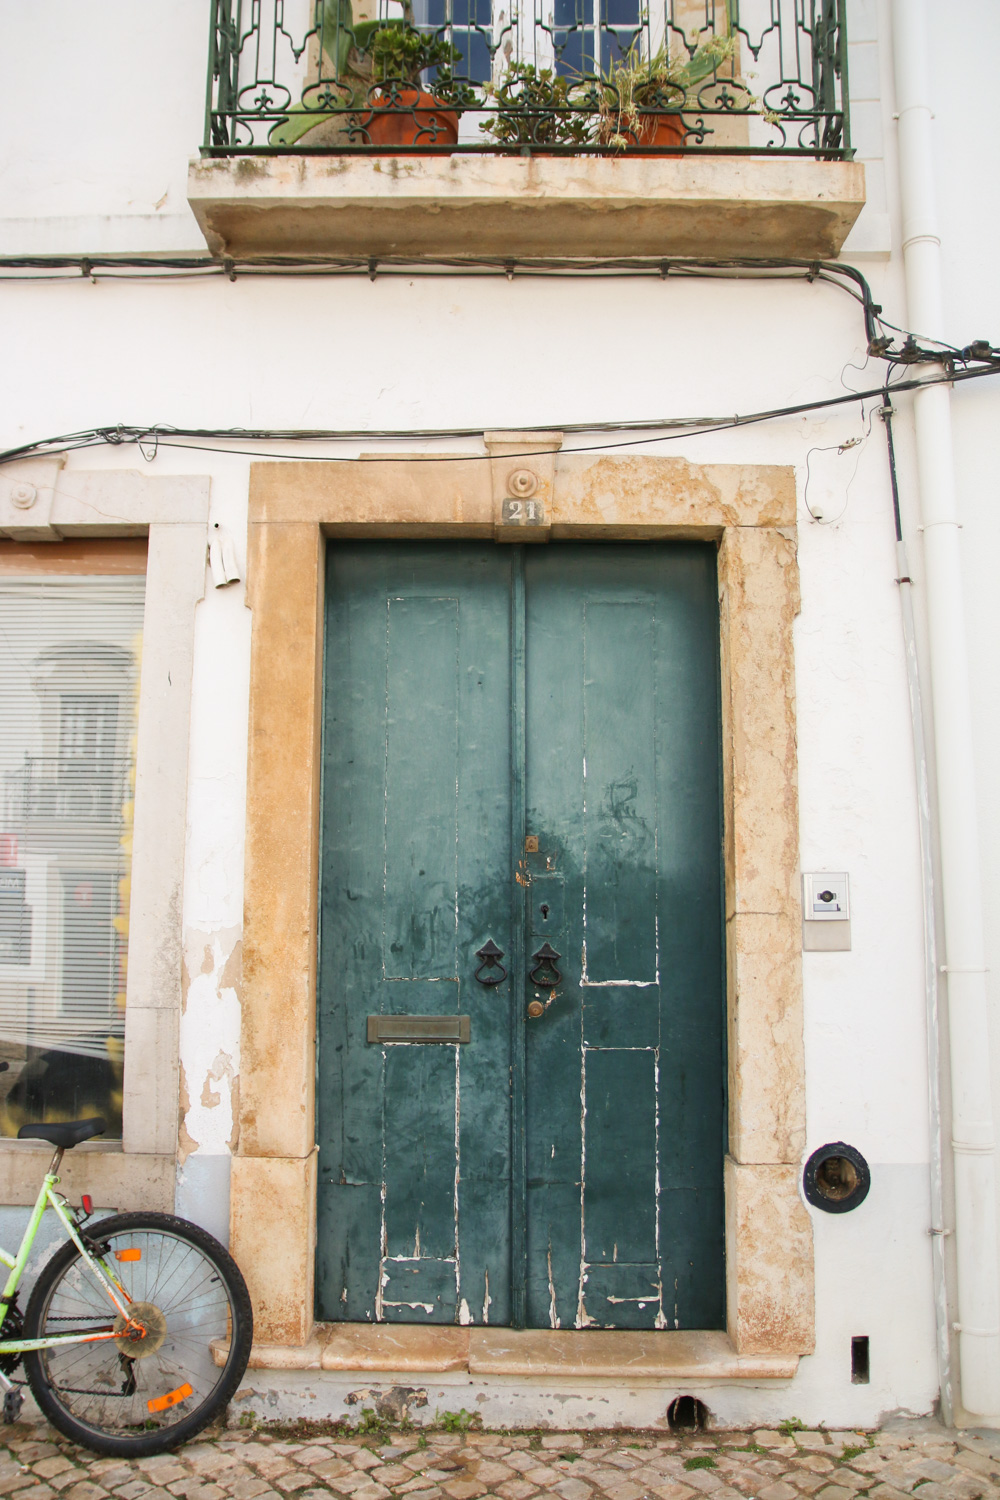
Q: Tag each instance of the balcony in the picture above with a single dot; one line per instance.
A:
(462, 128)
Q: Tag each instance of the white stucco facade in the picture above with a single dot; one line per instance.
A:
(94, 153)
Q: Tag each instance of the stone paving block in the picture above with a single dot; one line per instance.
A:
(269, 1464)
(978, 1463)
(765, 1438)
(778, 1491)
(807, 1483)
(393, 1474)
(294, 1480)
(331, 1468)
(835, 1492)
(623, 1490)
(541, 1474)
(744, 1483)
(431, 1493)
(44, 1491)
(249, 1488)
(87, 1490)
(491, 1472)
(515, 1489)
(850, 1480)
(317, 1452)
(887, 1492)
(673, 1491)
(464, 1489)
(573, 1489)
(816, 1463)
(930, 1468)
(811, 1438)
(605, 1477)
(47, 1467)
(372, 1491)
(704, 1480)
(363, 1458)
(351, 1482)
(63, 1481)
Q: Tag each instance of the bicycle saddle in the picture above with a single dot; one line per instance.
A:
(71, 1133)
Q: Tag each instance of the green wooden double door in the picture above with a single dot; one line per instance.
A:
(521, 1112)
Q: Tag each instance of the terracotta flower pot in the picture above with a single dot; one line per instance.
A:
(649, 129)
(411, 118)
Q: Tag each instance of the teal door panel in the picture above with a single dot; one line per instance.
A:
(625, 1067)
(414, 1212)
(564, 1171)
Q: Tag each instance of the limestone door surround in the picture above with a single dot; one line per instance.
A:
(749, 511)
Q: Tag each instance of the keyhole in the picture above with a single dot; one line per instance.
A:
(545, 910)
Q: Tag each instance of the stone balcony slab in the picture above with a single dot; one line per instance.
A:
(467, 205)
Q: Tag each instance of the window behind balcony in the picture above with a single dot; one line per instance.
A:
(70, 645)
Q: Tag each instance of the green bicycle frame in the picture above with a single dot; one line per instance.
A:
(100, 1270)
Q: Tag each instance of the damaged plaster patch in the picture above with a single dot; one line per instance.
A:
(210, 1043)
(393, 1405)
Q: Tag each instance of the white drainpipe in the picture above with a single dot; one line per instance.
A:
(978, 1292)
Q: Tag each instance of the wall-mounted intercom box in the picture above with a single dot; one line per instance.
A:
(826, 913)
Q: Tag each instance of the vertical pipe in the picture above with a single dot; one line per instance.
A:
(978, 1294)
(928, 885)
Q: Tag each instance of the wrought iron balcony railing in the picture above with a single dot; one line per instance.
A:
(649, 77)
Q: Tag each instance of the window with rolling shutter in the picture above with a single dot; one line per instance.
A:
(69, 680)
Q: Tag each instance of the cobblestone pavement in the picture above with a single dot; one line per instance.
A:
(917, 1459)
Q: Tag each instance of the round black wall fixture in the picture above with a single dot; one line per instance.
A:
(836, 1178)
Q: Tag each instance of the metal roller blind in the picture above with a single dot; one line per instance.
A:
(69, 679)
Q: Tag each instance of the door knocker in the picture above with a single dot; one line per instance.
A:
(545, 958)
(491, 956)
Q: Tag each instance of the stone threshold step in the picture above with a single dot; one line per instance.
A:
(420, 1349)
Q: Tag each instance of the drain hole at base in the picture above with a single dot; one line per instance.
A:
(685, 1414)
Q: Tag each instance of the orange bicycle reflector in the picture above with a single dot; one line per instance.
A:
(88, 1204)
(128, 1255)
(172, 1398)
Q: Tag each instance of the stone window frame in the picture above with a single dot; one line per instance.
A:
(749, 512)
(42, 503)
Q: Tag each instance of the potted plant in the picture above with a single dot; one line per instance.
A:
(401, 112)
(642, 98)
(536, 107)
(373, 94)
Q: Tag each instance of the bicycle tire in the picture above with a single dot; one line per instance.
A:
(98, 1395)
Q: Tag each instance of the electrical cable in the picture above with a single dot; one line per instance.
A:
(666, 429)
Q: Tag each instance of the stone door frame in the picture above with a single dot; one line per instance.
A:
(749, 512)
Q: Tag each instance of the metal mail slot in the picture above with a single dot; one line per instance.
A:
(419, 1029)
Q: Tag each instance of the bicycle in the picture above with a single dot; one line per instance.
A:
(160, 1323)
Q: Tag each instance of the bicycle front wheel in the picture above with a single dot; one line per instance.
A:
(129, 1396)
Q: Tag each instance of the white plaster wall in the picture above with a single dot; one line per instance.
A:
(412, 352)
(967, 173)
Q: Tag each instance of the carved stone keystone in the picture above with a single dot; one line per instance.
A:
(523, 466)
